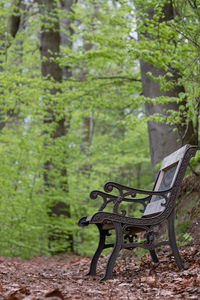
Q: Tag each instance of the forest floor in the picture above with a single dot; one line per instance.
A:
(64, 277)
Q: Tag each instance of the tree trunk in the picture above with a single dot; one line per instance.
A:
(66, 22)
(162, 137)
(50, 50)
(15, 24)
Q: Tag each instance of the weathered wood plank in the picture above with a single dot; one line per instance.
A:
(166, 178)
(154, 208)
(173, 157)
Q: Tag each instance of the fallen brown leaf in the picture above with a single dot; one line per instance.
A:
(56, 293)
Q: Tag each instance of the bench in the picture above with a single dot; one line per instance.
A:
(158, 205)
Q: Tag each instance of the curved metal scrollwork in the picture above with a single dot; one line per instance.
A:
(107, 198)
(108, 187)
(116, 206)
(125, 191)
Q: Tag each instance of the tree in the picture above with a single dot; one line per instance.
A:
(155, 32)
(83, 121)
(55, 120)
(14, 24)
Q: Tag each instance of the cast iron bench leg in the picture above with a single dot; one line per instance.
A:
(154, 256)
(115, 252)
(102, 238)
(172, 240)
(150, 239)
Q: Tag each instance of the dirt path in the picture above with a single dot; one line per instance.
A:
(64, 278)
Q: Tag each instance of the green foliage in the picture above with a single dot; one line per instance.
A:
(172, 44)
(103, 107)
(188, 237)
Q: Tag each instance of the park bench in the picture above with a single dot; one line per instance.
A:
(158, 206)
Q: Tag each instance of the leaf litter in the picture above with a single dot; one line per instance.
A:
(63, 277)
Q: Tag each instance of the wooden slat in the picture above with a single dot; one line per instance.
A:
(154, 208)
(174, 157)
(167, 175)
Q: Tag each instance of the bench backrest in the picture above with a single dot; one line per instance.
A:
(171, 166)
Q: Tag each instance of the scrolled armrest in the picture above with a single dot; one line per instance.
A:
(125, 191)
(107, 198)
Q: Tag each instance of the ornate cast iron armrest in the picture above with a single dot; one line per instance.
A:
(107, 198)
(83, 222)
(125, 191)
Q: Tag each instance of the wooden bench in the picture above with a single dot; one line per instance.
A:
(158, 206)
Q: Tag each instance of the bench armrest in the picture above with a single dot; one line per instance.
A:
(125, 191)
(107, 198)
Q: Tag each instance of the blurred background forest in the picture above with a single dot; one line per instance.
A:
(90, 91)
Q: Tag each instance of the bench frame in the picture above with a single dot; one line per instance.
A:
(126, 227)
